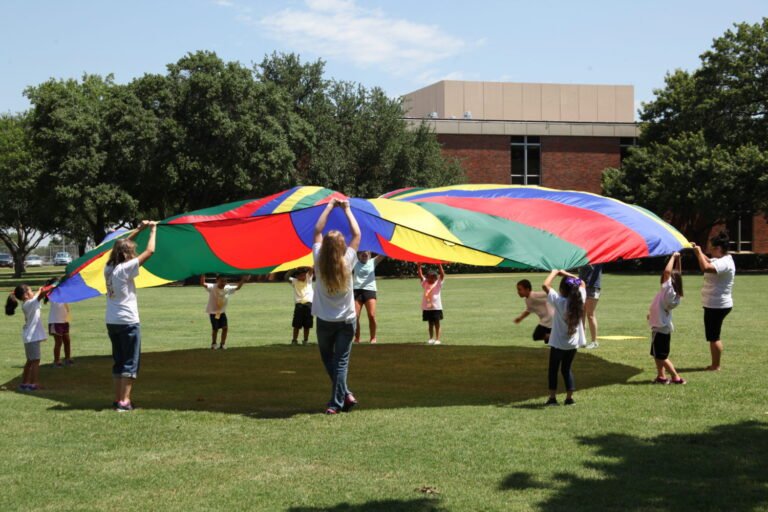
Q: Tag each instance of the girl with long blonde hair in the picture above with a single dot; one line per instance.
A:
(334, 304)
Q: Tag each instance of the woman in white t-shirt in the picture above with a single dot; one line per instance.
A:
(567, 330)
(122, 315)
(719, 272)
(334, 304)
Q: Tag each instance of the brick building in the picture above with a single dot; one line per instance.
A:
(554, 135)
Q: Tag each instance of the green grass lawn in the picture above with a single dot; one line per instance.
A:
(448, 428)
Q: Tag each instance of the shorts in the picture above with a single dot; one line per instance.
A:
(593, 293)
(58, 329)
(126, 349)
(302, 316)
(713, 322)
(540, 331)
(363, 296)
(219, 323)
(32, 350)
(431, 315)
(660, 345)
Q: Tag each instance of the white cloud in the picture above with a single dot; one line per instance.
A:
(341, 29)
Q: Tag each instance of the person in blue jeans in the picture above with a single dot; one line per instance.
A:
(334, 303)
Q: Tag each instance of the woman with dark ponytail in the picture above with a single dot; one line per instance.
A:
(719, 272)
(567, 330)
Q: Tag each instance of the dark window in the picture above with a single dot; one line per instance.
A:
(624, 144)
(740, 233)
(526, 160)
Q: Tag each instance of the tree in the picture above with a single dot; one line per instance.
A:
(703, 152)
(25, 205)
(694, 184)
(82, 168)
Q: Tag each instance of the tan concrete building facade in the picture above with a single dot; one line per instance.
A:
(554, 135)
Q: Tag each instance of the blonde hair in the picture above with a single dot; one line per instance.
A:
(331, 266)
(122, 251)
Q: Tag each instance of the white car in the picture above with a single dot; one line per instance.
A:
(33, 260)
(62, 258)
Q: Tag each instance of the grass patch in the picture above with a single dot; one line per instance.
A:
(454, 427)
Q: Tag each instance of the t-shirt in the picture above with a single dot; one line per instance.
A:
(536, 303)
(122, 306)
(59, 313)
(559, 338)
(218, 298)
(33, 329)
(364, 276)
(716, 292)
(660, 314)
(302, 290)
(338, 307)
(592, 275)
(431, 299)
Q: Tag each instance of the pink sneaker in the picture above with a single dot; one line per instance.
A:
(349, 402)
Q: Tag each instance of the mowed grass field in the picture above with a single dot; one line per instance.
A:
(448, 428)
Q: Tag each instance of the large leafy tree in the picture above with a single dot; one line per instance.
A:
(26, 207)
(702, 158)
(82, 161)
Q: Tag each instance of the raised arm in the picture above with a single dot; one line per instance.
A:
(242, 281)
(705, 265)
(323, 220)
(150, 250)
(419, 272)
(378, 259)
(548, 281)
(670, 267)
(441, 271)
(353, 226)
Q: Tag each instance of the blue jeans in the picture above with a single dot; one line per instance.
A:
(126, 349)
(335, 342)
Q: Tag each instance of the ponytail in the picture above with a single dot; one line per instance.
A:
(677, 278)
(13, 299)
(574, 313)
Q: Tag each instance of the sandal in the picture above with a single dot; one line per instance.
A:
(679, 380)
(659, 380)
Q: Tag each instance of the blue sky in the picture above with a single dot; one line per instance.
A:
(397, 45)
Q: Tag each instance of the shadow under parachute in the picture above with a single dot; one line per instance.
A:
(281, 381)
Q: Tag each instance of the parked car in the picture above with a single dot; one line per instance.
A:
(6, 260)
(62, 258)
(33, 260)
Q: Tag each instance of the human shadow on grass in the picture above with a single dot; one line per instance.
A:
(725, 468)
(415, 505)
(281, 381)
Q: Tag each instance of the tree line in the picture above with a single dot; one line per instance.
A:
(91, 155)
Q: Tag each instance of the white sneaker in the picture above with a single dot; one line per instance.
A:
(430, 341)
(592, 345)
(213, 346)
(222, 347)
(437, 342)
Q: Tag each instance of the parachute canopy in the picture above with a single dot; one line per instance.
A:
(484, 225)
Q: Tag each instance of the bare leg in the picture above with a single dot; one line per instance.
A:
(716, 349)
(589, 312)
(34, 372)
(213, 337)
(118, 387)
(306, 335)
(358, 307)
(57, 341)
(660, 369)
(431, 329)
(25, 375)
(437, 330)
(671, 369)
(370, 307)
(224, 335)
(126, 386)
(295, 335)
(67, 347)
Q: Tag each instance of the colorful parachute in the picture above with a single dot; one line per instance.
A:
(485, 225)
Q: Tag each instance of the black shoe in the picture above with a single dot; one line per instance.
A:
(552, 401)
(569, 401)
